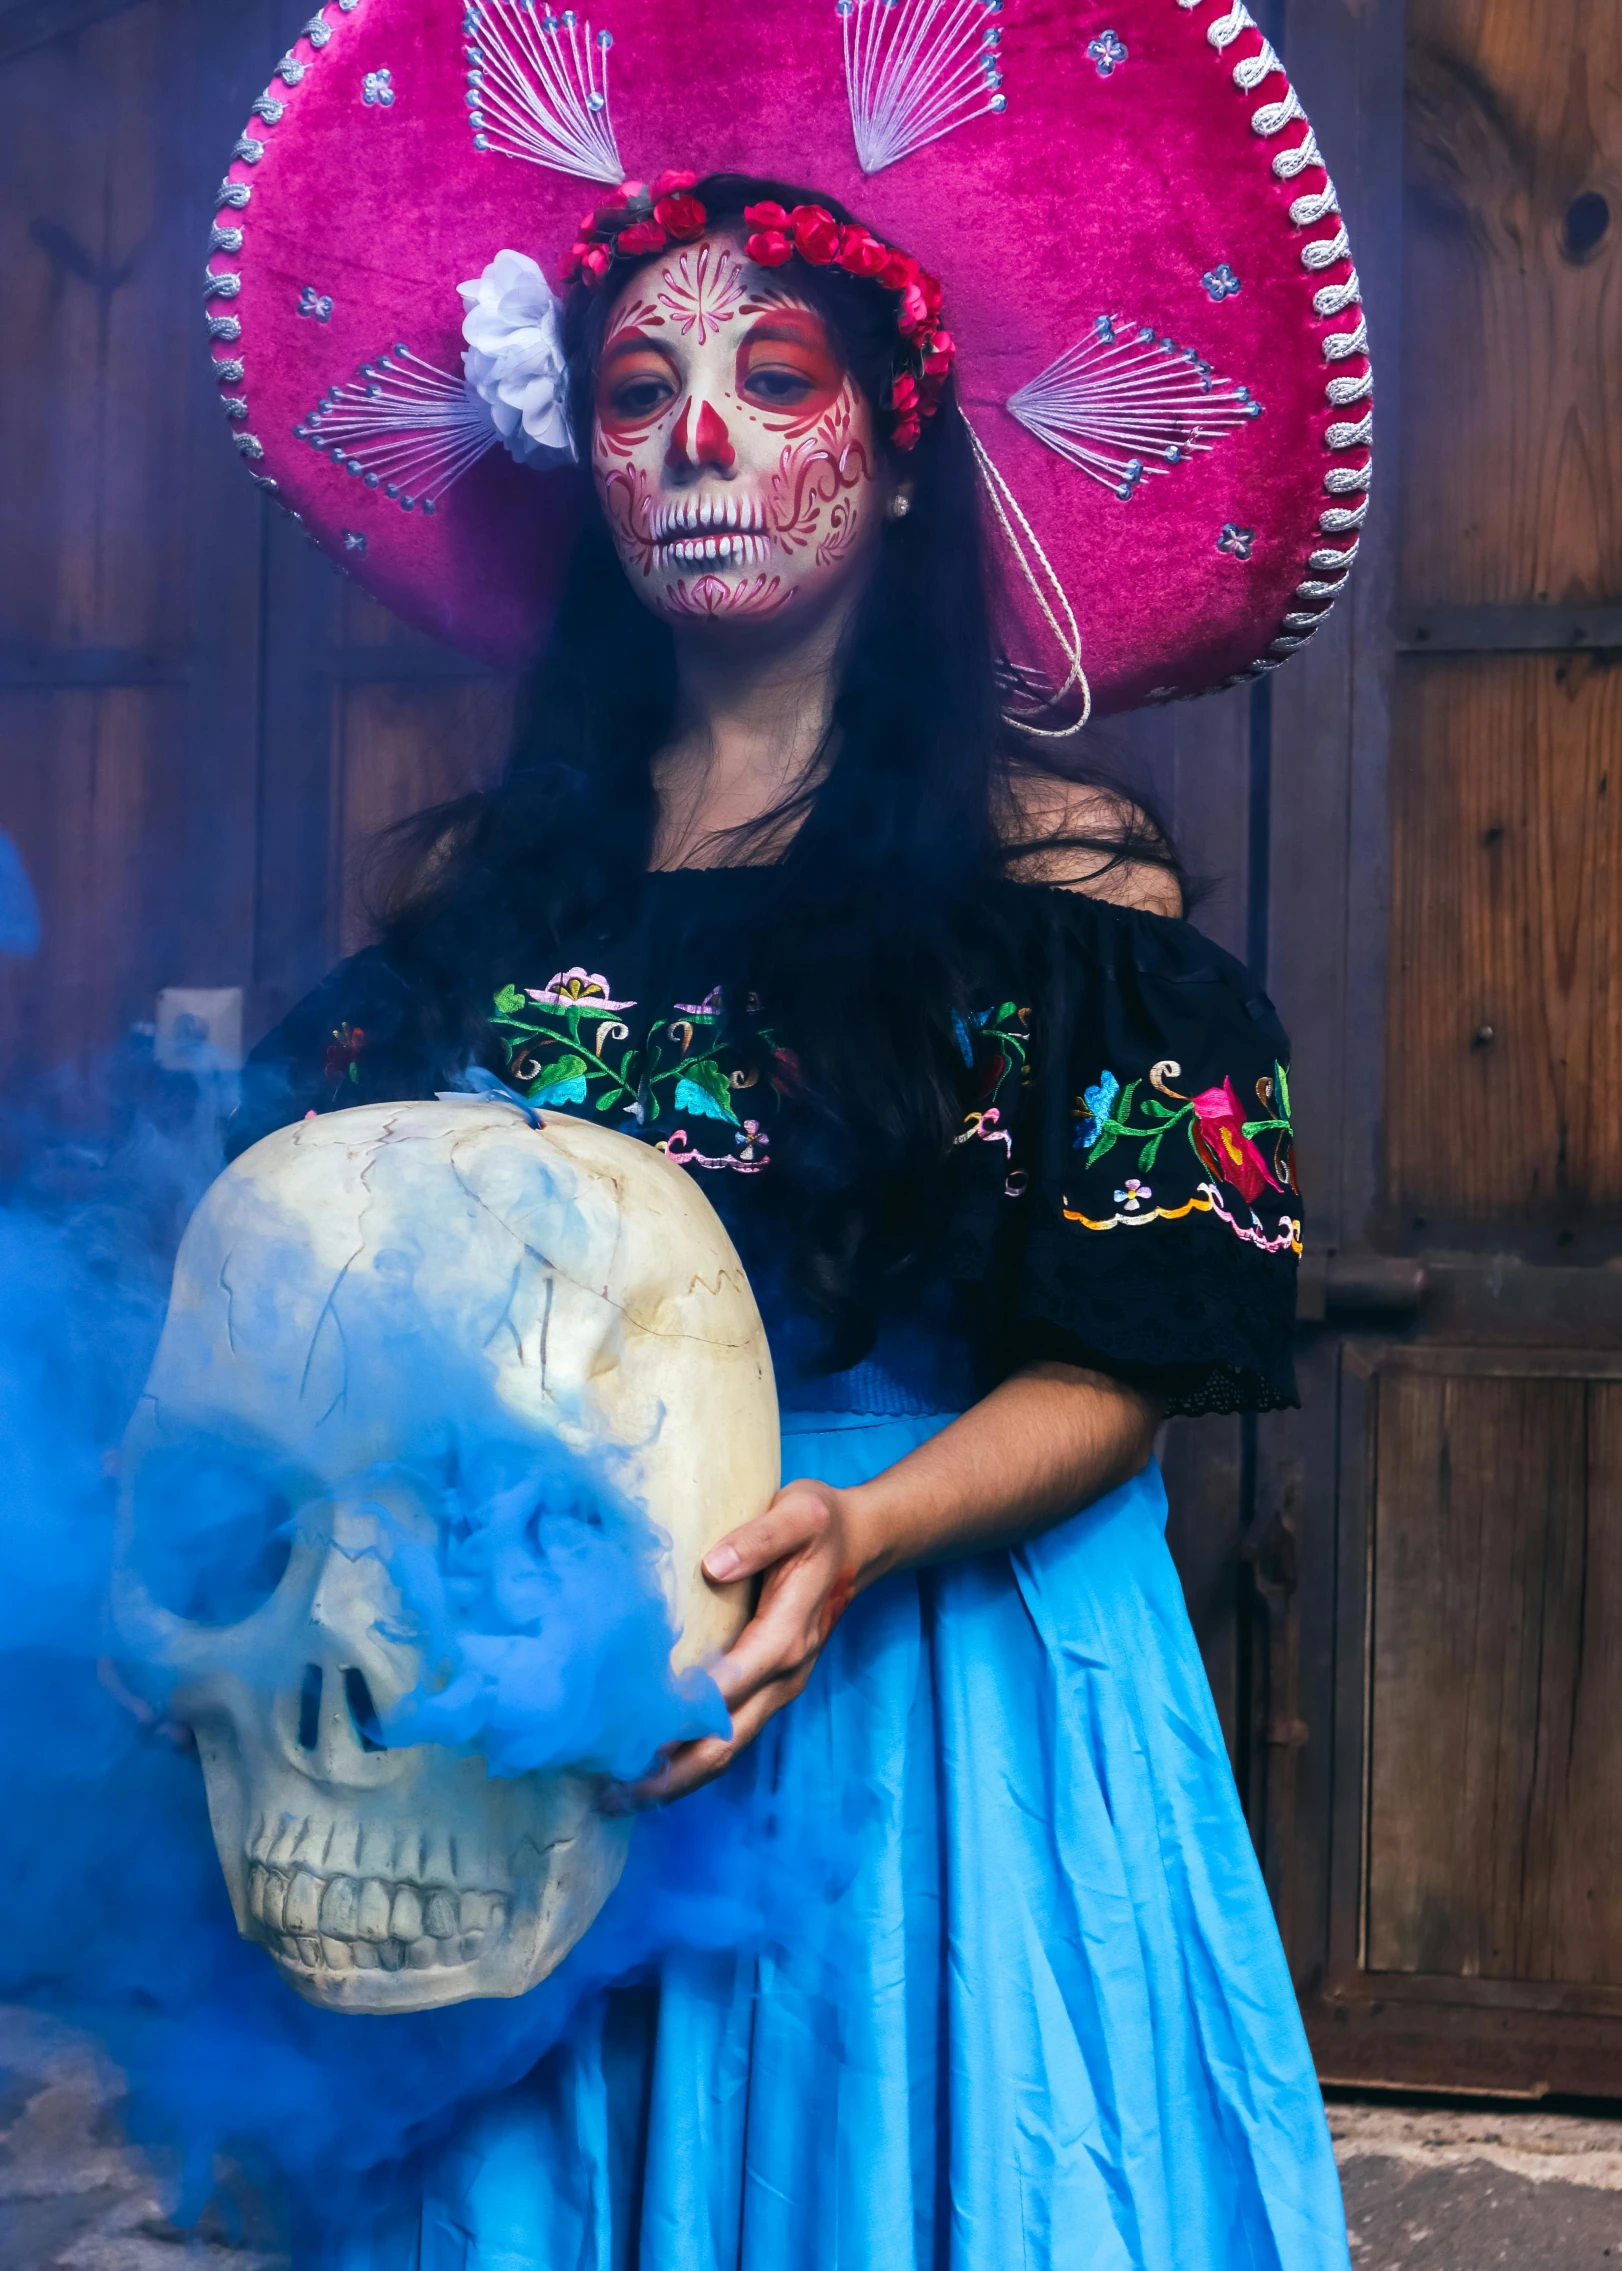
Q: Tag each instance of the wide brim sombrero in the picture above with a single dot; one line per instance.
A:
(1160, 345)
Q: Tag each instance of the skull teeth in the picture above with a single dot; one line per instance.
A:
(680, 516)
(344, 1923)
(732, 551)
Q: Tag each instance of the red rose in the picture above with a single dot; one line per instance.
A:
(904, 394)
(669, 183)
(930, 286)
(584, 228)
(816, 234)
(906, 434)
(940, 353)
(766, 216)
(769, 248)
(569, 265)
(912, 315)
(861, 254)
(643, 236)
(899, 270)
(681, 216)
(595, 261)
(1220, 1139)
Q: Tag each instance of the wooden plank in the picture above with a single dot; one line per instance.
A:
(1327, 887)
(87, 795)
(1193, 758)
(1512, 444)
(1509, 630)
(27, 24)
(1505, 1063)
(1488, 1764)
(402, 748)
(97, 549)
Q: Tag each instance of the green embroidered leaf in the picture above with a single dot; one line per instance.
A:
(1106, 1143)
(1281, 1078)
(508, 1000)
(1160, 1111)
(1151, 1150)
(705, 1089)
(563, 1081)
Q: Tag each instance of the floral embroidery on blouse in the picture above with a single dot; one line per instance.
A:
(995, 1046)
(342, 1055)
(567, 1044)
(1242, 1158)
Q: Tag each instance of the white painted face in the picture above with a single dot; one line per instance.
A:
(352, 1297)
(733, 452)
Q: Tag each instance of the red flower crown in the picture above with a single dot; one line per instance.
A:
(636, 219)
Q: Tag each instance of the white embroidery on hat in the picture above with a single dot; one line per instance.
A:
(918, 69)
(1309, 211)
(537, 88)
(402, 426)
(1127, 402)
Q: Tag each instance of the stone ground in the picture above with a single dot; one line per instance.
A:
(1429, 2187)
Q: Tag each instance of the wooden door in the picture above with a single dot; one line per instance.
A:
(1440, 1795)
(1408, 1593)
(200, 718)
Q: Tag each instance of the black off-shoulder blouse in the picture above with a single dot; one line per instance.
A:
(1123, 1187)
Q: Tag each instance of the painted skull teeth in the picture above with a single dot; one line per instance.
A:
(338, 1923)
(728, 551)
(685, 516)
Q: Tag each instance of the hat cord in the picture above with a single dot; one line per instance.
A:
(1068, 637)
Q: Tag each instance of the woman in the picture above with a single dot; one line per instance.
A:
(778, 880)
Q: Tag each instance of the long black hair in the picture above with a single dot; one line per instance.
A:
(886, 852)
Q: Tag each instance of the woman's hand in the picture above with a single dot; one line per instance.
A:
(805, 1549)
(1049, 1440)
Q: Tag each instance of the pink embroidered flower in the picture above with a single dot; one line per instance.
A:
(342, 1051)
(578, 988)
(1220, 1139)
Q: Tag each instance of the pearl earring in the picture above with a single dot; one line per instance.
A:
(900, 505)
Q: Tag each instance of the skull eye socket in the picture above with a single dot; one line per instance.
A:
(211, 1531)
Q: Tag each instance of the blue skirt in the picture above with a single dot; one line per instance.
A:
(1045, 2024)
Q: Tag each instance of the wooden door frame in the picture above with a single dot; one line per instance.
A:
(1328, 909)
(1327, 899)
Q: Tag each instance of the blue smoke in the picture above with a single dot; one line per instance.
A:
(550, 1636)
(19, 909)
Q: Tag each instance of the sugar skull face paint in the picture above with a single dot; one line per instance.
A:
(733, 451)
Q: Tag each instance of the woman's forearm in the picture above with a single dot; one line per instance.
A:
(1049, 1440)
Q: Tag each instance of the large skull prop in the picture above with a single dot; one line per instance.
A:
(555, 1282)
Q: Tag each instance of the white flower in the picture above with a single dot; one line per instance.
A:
(514, 358)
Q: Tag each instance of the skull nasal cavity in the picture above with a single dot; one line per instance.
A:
(363, 1710)
(709, 443)
(309, 1708)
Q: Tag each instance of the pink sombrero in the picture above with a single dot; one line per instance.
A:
(1160, 347)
